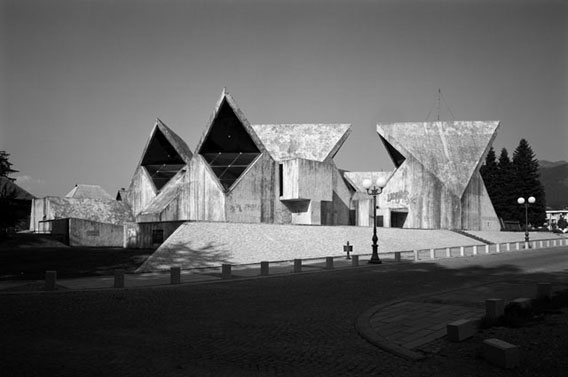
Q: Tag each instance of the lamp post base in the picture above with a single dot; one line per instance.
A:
(375, 256)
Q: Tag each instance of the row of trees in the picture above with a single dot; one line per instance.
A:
(507, 180)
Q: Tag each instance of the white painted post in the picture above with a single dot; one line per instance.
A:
(448, 252)
(264, 269)
(329, 263)
(498, 248)
(226, 271)
(508, 246)
(397, 257)
(553, 243)
(462, 251)
(415, 255)
(50, 280)
(541, 244)
(354, 260)
(547, 243)
(175, 275)
(518, 247)
(474, 249)
(297, 265)
(487, 249)
(432, 254)
(118, 278)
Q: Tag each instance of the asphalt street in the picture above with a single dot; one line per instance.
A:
(290, 325)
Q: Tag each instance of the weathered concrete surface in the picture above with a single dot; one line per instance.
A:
(318, 142)
(140, 235)
(83, 191)
(438, 177)
(95, 234)
(142, 191)
(199, 244)
(103, 211)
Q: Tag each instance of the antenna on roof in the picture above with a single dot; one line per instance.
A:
(438, 107)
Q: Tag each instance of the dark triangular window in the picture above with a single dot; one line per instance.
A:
(396, 157)
(161, 160)
(228, 148)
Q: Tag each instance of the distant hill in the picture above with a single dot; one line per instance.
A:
(554, 178)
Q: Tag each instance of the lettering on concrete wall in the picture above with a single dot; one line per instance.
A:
(399, 197)
(93, 233)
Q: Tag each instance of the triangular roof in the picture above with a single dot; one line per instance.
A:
(168, 193)
(317, 142)
(229, 100)
(83, 191)
(451, 151)
(10, 190)
(175, 141)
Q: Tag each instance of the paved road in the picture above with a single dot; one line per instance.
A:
(290, 325)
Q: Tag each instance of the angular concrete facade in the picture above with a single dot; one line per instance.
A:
(437, 178)
(240, 172)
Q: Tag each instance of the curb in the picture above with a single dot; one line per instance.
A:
(363, 325)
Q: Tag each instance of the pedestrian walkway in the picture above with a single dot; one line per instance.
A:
(193, 276)
(401, 327)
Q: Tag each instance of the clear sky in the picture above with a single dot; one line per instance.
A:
(82, 82)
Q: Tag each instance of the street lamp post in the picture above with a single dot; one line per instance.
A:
(526, 203)
(374, 191)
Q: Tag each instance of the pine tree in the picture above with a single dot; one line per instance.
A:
(505, 200)
(489, 172)
(527, 183)
(6, 166)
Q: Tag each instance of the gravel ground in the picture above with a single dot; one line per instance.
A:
(198, 244)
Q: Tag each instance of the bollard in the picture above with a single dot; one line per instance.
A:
(264, 269)
(415, 255)
(448, 252)
(508, 246)
(462, 251)
(175, 275)
(494, 308)
(543, 290)
(498, 248)
(518, 245)
(50, 280)
(486, 249)
(548, 243)
(474, 249)
(329, 263)
(553, 243)
(354, 261)
(432, 254)
(541, 244)
(397, 257)
(297, 265)
(118, 278)
(225, 271)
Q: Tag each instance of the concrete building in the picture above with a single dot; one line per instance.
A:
(271, 173)
(86, 216)
(436, 183)
(285, 174)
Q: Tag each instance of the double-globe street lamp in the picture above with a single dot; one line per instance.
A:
(374, 191)
(526, 203)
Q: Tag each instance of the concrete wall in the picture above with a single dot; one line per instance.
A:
(141, 190)
(206, 197)
(251, 198)
(139, 235)
(477, 210)
(171, 204)
(94, 234)
(307, 179)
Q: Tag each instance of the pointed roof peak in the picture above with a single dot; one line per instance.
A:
(318, 142)
(451, 151)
